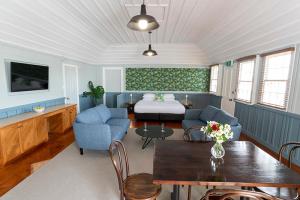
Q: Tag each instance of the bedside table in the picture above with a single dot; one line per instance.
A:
(130, 107)
(188, 106)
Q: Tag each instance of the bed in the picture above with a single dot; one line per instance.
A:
(167, 110)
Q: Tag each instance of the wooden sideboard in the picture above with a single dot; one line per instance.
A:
(20, 133)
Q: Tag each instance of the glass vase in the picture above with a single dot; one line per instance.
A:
(217, 151)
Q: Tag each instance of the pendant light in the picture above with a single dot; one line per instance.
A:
(149, 51)
(143, 22)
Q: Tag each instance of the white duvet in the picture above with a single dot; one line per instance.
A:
(170, 107)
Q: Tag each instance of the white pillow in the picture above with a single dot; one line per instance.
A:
(148, 98)
(149, 95)
(169, 99)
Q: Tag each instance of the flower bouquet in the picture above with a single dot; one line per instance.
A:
(219, 133)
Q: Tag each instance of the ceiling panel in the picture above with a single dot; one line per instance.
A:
(89, 30)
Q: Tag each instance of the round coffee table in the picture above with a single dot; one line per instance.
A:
(153, 132)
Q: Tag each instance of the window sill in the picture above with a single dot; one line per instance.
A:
(241, 101)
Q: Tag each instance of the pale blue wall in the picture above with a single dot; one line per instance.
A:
(8, 53)
(268, 126)
(8, 100)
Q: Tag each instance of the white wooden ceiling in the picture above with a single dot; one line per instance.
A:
(94, 31)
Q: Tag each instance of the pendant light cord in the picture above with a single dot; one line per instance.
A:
(150, 37)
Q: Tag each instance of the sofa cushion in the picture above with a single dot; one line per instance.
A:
(104, 112)
(124, 123)
(117, 133)
(189, 123)
(89, 116)
(208, 113)
(225, 118)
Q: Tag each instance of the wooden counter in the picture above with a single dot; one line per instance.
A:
(20, 133)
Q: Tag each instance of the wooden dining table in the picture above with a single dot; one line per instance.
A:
(244, 165)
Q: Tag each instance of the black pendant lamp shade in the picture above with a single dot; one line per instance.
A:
(143, 22)
(149, 52)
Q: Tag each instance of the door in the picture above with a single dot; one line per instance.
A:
(71, 84)
(28, 135)
(228, 89)
(112, 81)
(10, 141)
(41, 126)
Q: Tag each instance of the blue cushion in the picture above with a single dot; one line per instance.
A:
(89, 116)
(104, 112)
(208, 113)
(189, 123)
(124, 123)
(117, 132)
(225, 118)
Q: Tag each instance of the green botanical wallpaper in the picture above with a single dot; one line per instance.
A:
(167, 79)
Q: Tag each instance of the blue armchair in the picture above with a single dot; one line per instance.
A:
(97, 127)
(198, 118)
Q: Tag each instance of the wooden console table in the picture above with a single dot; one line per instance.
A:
(20, 133)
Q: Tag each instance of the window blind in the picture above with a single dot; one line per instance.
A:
(274, 84)
(214, 78)
(245, 73)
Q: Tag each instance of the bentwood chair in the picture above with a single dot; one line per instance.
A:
(135, 186)
(229, 194)
(187, 134)
(284, 193)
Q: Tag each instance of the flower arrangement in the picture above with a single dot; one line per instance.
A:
(219, 132)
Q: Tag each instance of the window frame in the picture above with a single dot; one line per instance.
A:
(288, 81)
(210, 79)
(239, 61)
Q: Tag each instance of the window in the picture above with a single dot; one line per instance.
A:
(214, 78)
(275, 79)
(245, 79)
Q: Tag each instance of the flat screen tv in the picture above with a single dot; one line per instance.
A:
(28, 77)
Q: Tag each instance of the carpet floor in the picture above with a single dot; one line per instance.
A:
(70, 176)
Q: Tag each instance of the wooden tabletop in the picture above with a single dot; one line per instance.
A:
(244, 164)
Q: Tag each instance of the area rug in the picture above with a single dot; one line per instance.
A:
(70, 176)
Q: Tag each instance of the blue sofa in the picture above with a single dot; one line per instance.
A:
(97, 127)
(198, 117)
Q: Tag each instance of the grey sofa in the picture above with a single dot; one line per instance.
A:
(198, 117)
(97, 127)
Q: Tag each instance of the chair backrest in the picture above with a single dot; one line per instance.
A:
(187, 134)
(119, 159)
(226, 194)
(293, 147)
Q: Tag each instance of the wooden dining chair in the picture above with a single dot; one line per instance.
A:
(135, 186)
(229, 194)
(284, 193)
(187, 134)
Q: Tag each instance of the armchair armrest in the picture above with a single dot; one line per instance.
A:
(192, 114)
(119, 113)
(92, 136)
(236, 132)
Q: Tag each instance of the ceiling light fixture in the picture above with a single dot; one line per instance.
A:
(149, 51)
(143, 22)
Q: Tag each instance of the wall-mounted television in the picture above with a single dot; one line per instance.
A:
(28, 77)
